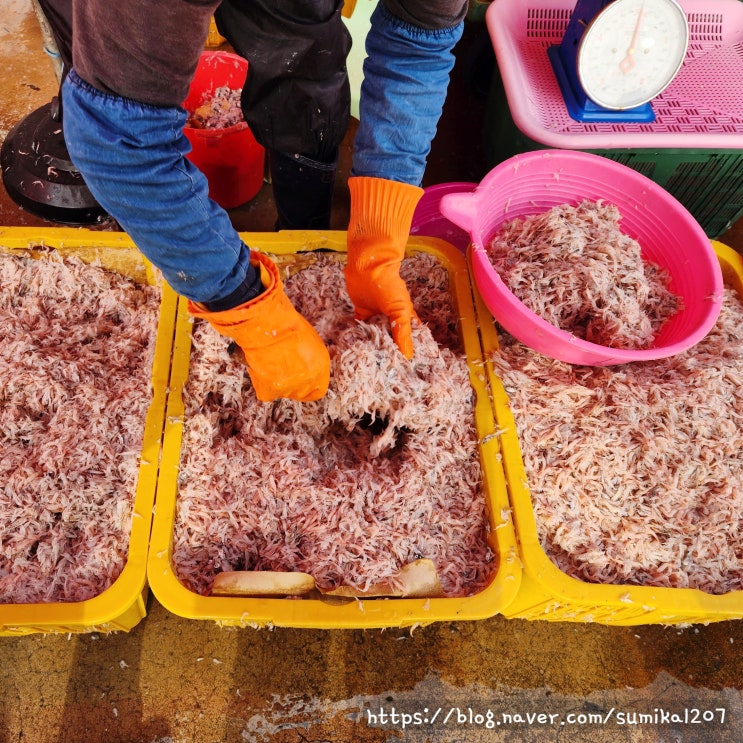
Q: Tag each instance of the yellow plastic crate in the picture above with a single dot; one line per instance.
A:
(353, 613)
(122, 605)
(546, 592)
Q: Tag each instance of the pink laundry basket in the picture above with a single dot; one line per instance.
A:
(534, 182)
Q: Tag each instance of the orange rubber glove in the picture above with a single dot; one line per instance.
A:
(381, 213)
(285, 355)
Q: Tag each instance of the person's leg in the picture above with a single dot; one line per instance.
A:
(296, 97)
(302, 189)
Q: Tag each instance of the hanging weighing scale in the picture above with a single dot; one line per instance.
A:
(617, 55)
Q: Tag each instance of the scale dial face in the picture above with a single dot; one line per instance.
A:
(631, 51)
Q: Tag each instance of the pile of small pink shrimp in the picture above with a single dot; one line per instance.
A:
(380, 472)
(220, 110)
(636, 471)
(76, 348)
(575, 268)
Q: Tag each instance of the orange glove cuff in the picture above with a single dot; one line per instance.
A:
(381, 214)
(380, 210)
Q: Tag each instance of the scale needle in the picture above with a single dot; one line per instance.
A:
(629, 61)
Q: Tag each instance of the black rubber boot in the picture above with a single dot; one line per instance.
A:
(303, 191)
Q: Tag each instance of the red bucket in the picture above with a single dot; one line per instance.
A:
(230, 158)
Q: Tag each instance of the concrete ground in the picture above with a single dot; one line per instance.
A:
(185, 681)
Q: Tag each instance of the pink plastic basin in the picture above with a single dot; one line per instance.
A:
(668, 235)
(428, 220)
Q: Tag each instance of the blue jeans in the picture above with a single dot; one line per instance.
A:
(406, 76)
(132, 157)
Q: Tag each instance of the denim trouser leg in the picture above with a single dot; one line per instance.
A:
(131, 156)
(406, 75)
